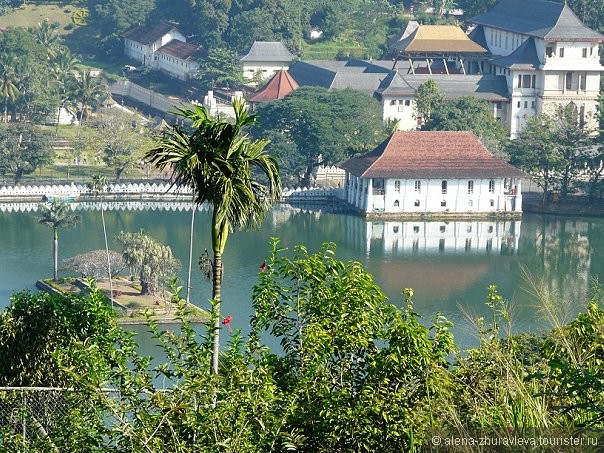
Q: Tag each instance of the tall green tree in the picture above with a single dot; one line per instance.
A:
(47, 35)
(313, 126)
(62, 68)
(220, 68)
(23, 149)
(8, 89)
(573, 143)
(227, 169)
(466, 114)
(120, 138)
(57, 215)
(428, 98)
(89, 91)
(534, 151)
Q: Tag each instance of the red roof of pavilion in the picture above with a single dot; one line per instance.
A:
(429, 155)
(279, 86)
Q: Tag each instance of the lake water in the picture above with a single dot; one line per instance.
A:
(448, 264)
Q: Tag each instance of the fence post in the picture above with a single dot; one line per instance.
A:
(23, 419)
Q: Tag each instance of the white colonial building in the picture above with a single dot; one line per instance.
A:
(265, 58)
(548, 56)
(432, 173)
(164, 48)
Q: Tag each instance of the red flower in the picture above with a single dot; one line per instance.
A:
(226, 321)
(263, 266)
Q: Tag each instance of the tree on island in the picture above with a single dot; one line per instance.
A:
(151, 261)
(313, 127)
(94, 264)
(227, 169)
(57, 215)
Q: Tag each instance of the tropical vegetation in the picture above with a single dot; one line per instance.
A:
(225, 168)
(352, 373)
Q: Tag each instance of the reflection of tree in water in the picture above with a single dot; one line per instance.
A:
(561, 252)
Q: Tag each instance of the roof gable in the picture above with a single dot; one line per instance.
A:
(148, 35)
(280, 85)
(523, 58)
(538, 18)
(268, 51)
(430, 155)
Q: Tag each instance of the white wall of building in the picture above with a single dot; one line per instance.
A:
(181, 69)
(426, 195)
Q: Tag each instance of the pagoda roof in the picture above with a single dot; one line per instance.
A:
(279, 86)
(439, 39)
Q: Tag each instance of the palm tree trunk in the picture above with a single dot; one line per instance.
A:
(55, 253)
(216, 290)
(107, 250)
(81, 117)
(191, 251)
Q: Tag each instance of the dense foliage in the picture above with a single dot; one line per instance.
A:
(559, 152)
(313, 126)
(353, 373)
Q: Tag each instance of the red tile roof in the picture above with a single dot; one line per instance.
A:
(280, 85)
(430, 155)
(181, 50)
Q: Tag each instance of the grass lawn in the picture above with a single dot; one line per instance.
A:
(31, 15)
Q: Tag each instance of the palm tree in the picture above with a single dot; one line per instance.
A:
(220, 162)
(57, 215)
(8, 89)
(98, 186)
(47, 34)
(62, 68)
(89, 90)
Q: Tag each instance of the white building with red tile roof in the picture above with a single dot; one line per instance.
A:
(162, 47)
(432, 173)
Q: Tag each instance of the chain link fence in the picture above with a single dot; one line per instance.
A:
(31, 413)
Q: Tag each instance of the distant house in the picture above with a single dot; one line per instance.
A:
(432, 173)
(280, 85)
(162, 47)
(266, 58)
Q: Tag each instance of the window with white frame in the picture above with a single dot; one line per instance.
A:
(492, 186)
(443, 187)
(443, 203)
(397, 186)
(470, 187)
(418, 186)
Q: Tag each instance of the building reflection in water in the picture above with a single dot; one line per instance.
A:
(447, 237)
